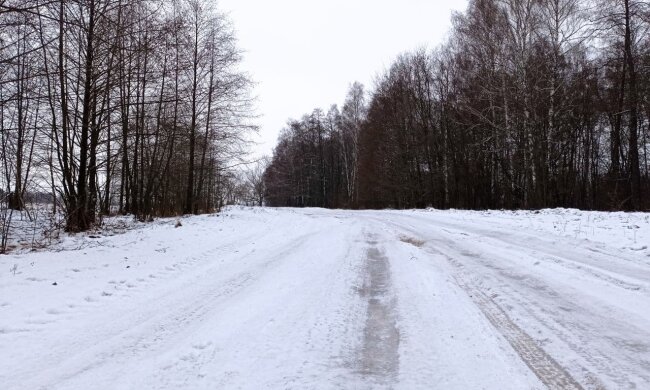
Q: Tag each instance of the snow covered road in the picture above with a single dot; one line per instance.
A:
(316, 299)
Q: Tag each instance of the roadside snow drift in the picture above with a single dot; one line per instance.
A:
(316, 299)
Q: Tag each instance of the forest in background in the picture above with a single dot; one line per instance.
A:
(119, 106)
(529, 104)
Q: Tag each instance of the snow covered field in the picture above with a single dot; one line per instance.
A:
(317, 299)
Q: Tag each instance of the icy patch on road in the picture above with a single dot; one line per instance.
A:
(378, 360)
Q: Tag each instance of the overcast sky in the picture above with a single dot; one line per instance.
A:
(303, 54)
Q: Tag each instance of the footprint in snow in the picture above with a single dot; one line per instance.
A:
(191, 357)
(201, 346)
(38, 321)
(13, 330)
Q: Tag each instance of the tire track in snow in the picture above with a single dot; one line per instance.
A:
(147, 333)
(378, 357)
(589, 333)
(547, 369)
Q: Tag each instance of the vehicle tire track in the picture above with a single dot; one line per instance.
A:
(377, 360)
(547, 369)
(146, 333)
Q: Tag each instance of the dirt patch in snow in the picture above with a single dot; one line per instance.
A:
(413, 241)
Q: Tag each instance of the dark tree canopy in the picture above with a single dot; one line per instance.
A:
(529, 104)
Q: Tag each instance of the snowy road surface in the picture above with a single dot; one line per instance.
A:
(315, 299)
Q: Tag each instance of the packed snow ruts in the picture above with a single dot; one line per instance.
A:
(265, 298)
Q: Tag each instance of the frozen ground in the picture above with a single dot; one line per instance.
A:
(315, 299)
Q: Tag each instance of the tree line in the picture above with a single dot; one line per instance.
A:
(129, 106)
(528, 104)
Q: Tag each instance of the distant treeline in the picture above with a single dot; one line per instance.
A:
(31, 197)
(529, 104)
(130, 106)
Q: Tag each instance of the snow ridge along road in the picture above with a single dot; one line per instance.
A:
(317, 299)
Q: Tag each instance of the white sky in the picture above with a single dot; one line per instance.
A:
(304, 54)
